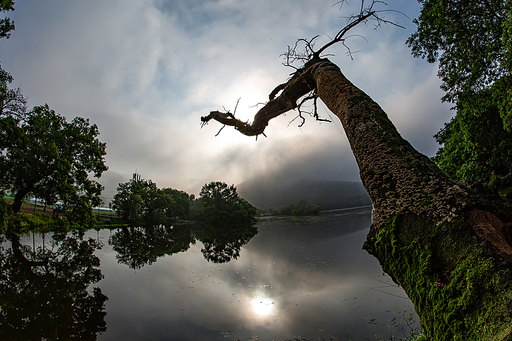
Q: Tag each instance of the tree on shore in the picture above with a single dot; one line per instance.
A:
(140, 201)
(44, 155)
(447, 245)
(222, 205)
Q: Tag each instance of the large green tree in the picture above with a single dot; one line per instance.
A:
(471, 42)
(45, 155)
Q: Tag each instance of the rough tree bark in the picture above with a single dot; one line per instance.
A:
(446, 245)
(18, 198)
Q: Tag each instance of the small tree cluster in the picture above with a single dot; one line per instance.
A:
(221, 205)
(140, 201)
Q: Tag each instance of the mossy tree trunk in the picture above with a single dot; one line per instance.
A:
(446, 245)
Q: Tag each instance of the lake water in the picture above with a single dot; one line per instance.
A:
(286, 278)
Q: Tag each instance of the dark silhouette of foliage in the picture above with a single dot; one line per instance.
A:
(223, 206)
(138, 246)
(6, 24)
(44, 295)
(140, 201)
(222, 243)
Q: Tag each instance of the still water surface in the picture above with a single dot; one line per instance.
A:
(285, 278)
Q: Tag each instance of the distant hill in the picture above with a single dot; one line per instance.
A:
(329, 195)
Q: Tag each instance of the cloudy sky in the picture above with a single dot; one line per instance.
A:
(145, 71)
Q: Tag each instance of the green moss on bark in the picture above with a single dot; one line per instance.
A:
(470, 301)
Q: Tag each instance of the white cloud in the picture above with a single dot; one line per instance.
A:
(145, 71)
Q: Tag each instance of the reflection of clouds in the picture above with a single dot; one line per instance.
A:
(317, 278)
(263, 306)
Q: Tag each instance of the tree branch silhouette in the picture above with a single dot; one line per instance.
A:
(301, 86)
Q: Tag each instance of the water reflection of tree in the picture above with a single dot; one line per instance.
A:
(43, 292)
(138, 246)
(221, 243)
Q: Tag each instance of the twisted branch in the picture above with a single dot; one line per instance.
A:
(301, 84)
(302, 81)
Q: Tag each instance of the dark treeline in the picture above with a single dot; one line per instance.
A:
(140, 202)
(302, 208)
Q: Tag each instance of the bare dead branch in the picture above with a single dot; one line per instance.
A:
(339, 36)
(314, 113)
(299, 85)
(236, 106)
(290, 95)
(299, 107)
(220, 130)
(227, 115)
(367, 12)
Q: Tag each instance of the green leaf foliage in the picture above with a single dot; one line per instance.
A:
(469, 39)
(475, 144)
(6, 24)
(140, 201)
(45, 155)
(222, 205)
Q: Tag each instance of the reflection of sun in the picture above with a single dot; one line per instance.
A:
(262, 306)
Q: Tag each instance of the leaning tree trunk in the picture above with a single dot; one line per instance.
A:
(447, 246)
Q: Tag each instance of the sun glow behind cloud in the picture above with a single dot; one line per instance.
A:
(145, 71)
(263, 306)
